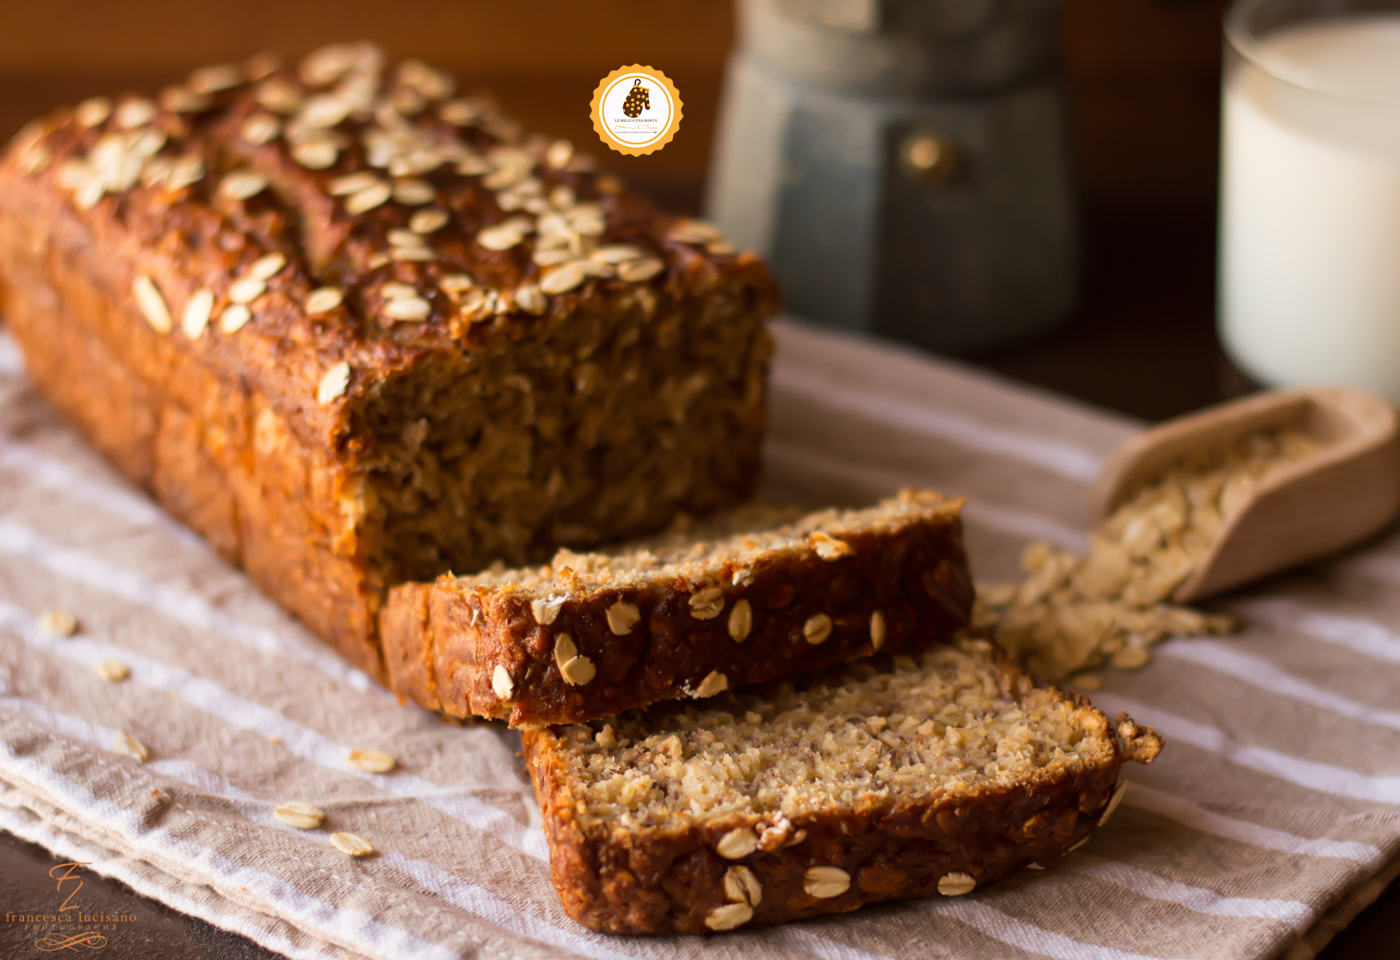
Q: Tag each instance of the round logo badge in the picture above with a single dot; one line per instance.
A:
(636, 110)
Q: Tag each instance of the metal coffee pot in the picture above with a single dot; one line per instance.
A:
(903, 165)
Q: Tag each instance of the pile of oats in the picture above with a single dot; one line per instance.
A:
(1072, 614)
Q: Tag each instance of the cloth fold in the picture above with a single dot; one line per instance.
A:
(1270, 820)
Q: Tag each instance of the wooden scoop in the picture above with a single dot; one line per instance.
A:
(1344, 492)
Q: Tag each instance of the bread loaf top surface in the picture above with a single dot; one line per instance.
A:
(314, 229)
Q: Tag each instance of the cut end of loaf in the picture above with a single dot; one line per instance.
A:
(511, 450)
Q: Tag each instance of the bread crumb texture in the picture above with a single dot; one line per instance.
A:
(698, 551)
(942, 722)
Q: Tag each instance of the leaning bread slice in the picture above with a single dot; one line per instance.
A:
(749, 597)
(925, 776)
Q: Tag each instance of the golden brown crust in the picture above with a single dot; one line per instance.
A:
(636, 880)
(443, 650)
(214, 488)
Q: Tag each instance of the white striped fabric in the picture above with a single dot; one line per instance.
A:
(1276, 801)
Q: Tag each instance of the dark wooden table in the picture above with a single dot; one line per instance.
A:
(1142, 343)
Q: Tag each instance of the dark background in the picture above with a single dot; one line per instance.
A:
(1143, 77)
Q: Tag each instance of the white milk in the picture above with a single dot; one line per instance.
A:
(1310, 207)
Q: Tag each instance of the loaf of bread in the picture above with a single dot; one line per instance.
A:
(750, 595)
(357, 331)
(930, 775)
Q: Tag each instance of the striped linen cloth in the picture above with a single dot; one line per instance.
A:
(1272, 817)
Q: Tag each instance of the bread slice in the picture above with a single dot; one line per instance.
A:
(926, 775)
(748, 597)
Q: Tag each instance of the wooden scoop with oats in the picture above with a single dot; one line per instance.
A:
(1194, 507)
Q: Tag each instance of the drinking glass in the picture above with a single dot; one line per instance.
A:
(1310, 192)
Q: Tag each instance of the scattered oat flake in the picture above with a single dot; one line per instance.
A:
(113, 671)
(371, 761)
(58, 623)
(303, 816)
(352, 844)
(127, 745)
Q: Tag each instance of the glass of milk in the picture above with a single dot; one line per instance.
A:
(1310, 192)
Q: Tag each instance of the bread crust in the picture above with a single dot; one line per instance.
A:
(443, 642)
(204, 470)
(629, 880)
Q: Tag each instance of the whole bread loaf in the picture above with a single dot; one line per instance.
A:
(748, 596)
(923, 776)
(356, 330)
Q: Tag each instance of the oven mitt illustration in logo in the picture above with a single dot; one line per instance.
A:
(638, 99)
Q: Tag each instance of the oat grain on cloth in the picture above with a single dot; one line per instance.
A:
(1271, 819)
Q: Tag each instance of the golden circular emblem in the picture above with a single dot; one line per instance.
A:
(636, 110)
